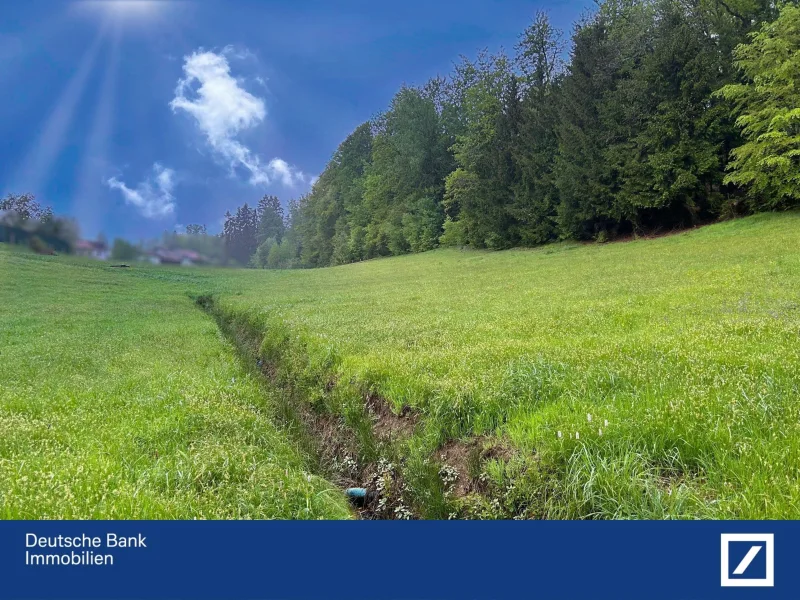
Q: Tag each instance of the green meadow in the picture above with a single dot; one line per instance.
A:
(651, 378)
(119, 399)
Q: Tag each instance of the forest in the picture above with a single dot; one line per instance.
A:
(656, 115)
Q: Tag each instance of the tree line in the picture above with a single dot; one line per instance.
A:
(666, 114)
(24, 220)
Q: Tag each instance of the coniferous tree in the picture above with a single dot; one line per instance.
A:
(479, 192)
(239, 233)
(269, 213)
(582, 174)
(535, 202)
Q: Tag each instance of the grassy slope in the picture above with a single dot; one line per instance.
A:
(687, 345)
(119, 399)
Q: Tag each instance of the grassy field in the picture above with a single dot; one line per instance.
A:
(119, 399)
(646, 379)
(683, 351)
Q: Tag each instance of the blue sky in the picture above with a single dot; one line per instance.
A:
(137, 116)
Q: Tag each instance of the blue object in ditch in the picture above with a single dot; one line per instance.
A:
(356, 492)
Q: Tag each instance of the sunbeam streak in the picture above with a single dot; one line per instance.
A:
(37, 165)
(85, 204)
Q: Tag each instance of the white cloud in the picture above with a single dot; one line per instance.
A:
(153, 197)
(238, 52)
(289, 176)
(222, 109)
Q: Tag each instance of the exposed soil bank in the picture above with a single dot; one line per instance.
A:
(327, 436)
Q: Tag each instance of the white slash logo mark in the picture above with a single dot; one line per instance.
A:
(748, 558)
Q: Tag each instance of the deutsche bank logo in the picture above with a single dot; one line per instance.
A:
(748, 559)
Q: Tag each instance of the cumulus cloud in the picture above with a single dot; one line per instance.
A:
(152, 197)
(289, 176)
(222, 109)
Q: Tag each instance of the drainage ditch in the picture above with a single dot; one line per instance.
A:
(366, 449)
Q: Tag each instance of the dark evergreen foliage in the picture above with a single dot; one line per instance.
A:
(632, 132)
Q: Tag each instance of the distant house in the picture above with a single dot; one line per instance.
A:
(93, 249)
(190, 257)
(163, 256)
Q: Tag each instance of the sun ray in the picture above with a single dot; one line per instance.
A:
(36, 168)
(85, 205)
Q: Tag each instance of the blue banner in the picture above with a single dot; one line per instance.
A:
(402, 560)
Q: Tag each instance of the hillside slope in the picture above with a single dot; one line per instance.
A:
(651, 378)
